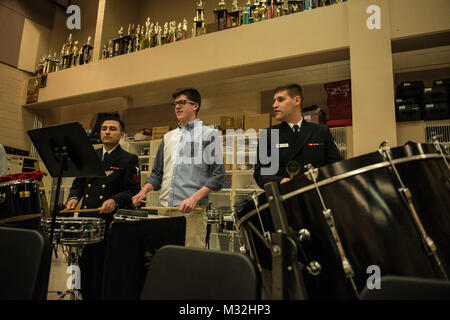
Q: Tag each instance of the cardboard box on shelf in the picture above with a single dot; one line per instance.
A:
(232, 122)
(257, 121)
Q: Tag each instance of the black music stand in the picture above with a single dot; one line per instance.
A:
(66, 152)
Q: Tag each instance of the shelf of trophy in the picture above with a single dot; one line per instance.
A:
(227, 55)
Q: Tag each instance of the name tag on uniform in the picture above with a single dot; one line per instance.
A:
(282, 145)
(108, 172)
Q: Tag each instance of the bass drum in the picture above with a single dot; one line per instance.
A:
(375, 227)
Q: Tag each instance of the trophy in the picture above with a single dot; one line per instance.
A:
(323, 3)
(86, 52)
(295, 6)
(67, 58)
(179, 32)
(199, 21)
(185, 29)
(158, 36)
(310, 4)
(263, 10)
(74, 60)
(247, 13)
(172, 31)
(137, 39)
(256, 14)
(110, 49)
(234, 17)
(104, 52)
(221, 16)
(144, 39)
(278, 9)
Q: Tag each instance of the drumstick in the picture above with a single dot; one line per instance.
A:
(169, 208)
(79, 210)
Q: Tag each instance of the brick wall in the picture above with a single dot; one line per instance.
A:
(14, 120)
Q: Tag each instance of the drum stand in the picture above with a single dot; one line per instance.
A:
(73, 254)
(283, 249)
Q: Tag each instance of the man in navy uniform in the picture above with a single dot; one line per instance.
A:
(107, 194)
(299, 140)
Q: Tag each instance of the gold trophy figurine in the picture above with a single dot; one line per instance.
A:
(263, 10)
(221, 16)
(185, 29)
(172, 31)
(179, 32)
(199, 21)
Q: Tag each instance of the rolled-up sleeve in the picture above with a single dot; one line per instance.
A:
(156, 176)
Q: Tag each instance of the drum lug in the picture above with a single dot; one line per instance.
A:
(304, 235)
(311, 171)
(314, 268)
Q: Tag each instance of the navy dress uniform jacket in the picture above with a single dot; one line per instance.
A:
(121, 183)
(313, 145)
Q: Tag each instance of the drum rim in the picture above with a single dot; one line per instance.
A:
(18, 181)
(78, 219)
(342, 176)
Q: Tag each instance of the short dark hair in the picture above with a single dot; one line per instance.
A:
(191, 93)
(114, 118)
(292, 89)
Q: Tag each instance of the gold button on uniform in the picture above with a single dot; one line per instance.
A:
(89, 185)
(103, 186)
(101, 197)
(87, 196)
(85, 207)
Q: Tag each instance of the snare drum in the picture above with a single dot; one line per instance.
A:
(73, 231)
(19, 200)
(368, 215)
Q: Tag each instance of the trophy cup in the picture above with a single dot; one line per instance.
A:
(172, 31)
(263, 10)
(278, 9)
(137, 39)
(221, 16)
(185, 29)
(165, 33)
(67, 58)
(179, 32)
(247, 13)
(104, 52)
(151, 36)
(86, 54)
(158, 30)
(74, 60)
(256, 14)
(199, 21)
(295, 6)
(234, 17)
(117, 45)
(310, 4)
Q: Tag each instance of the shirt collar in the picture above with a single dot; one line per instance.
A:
(293, 124)
(110, 151)
(190, 125)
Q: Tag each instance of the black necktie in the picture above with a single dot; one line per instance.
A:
(105, 156)
(296, 128)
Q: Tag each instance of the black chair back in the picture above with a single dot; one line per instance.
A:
(200, 274)
(25, 257)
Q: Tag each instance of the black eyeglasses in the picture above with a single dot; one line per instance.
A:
(181, 103)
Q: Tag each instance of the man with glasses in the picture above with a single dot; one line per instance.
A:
(187, 168)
